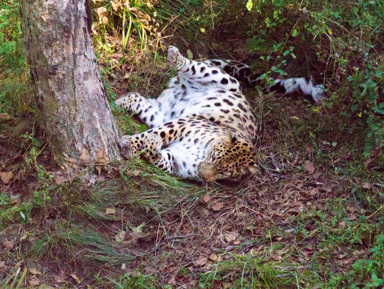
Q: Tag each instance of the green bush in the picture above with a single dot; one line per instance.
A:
(348, 41)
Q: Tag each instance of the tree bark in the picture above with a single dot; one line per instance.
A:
(70, 94)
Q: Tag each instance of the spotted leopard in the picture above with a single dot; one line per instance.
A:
(202, 126)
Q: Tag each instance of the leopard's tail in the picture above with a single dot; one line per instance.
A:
(243, 73)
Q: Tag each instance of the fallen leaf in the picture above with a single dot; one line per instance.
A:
(24, 237)
(123, 266)
(101, 157)
(206, 198)
(34, 282)
(172, 281)
(120, 236)
(366, 186)
(76, 278)
(193, 283)
(34, 271)
(110, 211)
(2, 264)
(217, 206)
(101, 160)
(6, 177)
(84, 155)
(309, 167)
(201, 261)
(61, 278)
(314, 192)
(276, 257)
(8, 244)
(214, 257)
(230, 237)
(4, 117)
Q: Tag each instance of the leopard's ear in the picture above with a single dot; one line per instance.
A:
(230, 139)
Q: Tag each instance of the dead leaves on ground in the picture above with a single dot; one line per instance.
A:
(6, 177)
(309, 167)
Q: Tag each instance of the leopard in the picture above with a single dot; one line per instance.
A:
(201, 127)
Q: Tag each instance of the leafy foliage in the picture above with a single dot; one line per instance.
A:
(348, 40)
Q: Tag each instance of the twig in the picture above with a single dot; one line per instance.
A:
(371, 215)
(274, 163)
(182, 237)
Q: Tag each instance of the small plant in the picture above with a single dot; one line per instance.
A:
(365, 273)
(126, 18)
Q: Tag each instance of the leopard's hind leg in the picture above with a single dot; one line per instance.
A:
(197, 73)
(151, 143)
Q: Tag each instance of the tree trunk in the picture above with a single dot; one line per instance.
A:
(69, 91)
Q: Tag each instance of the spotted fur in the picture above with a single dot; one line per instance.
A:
(202, 127)
(242, 72)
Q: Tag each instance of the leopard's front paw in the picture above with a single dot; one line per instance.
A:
(127, 100)
(174, 58)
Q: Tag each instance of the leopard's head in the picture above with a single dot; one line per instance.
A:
(231, 159)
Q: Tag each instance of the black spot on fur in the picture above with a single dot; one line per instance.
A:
(162, 134)
(202, 69)
(152, 117)
(206, 75)
(193, 70)
(215, 71)
(224, 81)
(224, 110)
(277, 88)
(217, 104)
(228, 102)
(242, 107)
